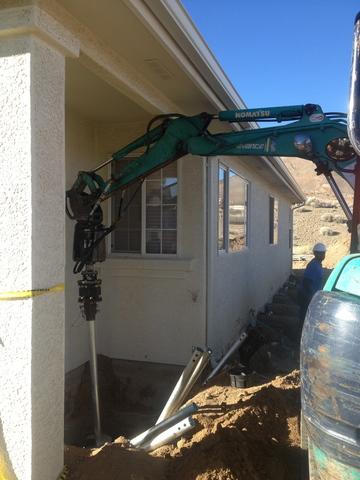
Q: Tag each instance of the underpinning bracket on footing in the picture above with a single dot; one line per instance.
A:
(187, 380)
(231, 351)
(165, 429)
(174, 419)
(170, 434)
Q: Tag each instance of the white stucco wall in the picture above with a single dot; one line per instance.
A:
(32, 257)
(154, 308)
(244, 280)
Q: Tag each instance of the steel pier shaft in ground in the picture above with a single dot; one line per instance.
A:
(94, 383)
(89, 296)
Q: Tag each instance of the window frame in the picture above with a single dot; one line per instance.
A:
(143, 253)
(226, 249)
(272, 224)
(225, 209)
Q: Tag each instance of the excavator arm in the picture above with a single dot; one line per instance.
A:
(313, 135)
(307, 133)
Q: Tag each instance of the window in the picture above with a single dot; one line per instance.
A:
(232, 210)
(273, 220)
(237, 212)
(149, 225)
(221, 208)
(161, 210)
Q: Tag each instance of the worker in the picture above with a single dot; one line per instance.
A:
(313, 278)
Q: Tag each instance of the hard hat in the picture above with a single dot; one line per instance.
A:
(319, 247)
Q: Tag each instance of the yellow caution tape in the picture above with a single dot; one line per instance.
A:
(25, 294)
(64, 474)
(5, 475)
(4, 468)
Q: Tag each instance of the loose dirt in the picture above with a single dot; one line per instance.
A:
(247, 434)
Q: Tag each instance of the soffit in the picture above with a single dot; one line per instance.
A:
(117, 26)
(95, 99)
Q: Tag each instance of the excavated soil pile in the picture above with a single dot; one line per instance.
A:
(242, 434)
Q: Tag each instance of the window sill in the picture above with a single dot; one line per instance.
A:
(242, 250)
(149, 267)
(222, 253)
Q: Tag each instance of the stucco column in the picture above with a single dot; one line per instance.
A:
(32, 253)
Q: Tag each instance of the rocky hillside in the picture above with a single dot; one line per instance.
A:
(321, 219)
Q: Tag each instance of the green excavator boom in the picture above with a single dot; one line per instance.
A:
(306, 132)
(313, 135)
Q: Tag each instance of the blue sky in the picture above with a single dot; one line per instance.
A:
(281, 52)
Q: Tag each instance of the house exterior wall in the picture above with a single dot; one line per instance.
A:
(153, 307)
(32, 248)
(156, 308)
(244, 280)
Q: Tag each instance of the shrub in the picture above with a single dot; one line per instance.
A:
(327, 217)
(302, 249)
(317, 203)
(339, 219)
(328, 231)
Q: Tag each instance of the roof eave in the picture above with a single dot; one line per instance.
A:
(173, 16)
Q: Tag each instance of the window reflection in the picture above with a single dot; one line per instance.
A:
(156, 201)
(221, 206)
(232, 210)
(237, 212)
(161, 212)
(273, 220)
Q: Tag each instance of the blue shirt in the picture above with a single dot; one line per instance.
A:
(314, 273)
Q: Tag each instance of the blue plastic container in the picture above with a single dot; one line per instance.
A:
(330, 375)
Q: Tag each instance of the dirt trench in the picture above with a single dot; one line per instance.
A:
(242, 433)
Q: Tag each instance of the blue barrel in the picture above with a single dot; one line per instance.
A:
(330, 384)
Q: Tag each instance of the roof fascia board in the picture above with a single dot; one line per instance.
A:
(279, 169)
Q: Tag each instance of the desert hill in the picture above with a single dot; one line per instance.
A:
(321, 219)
